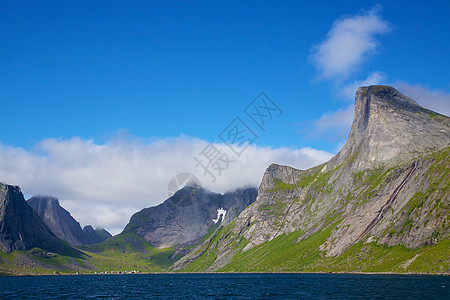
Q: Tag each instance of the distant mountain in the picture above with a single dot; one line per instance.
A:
(381, 204)
(22, 229)
(186, 217)
(63, 225)
(95, 236)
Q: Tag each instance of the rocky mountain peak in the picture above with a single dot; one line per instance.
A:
(186, 217)
(61, 222)
(187, 195)
(21, 228)
(44, 201)
(387, 186)
(366, 95)
(390, 127)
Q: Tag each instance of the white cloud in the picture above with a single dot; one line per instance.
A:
(436, 100)
(348, 92)
(104, 184)
(348, 43)
(335, 124)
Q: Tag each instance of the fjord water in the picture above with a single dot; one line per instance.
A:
(234, 286)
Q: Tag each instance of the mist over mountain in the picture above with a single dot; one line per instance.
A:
(186, 217)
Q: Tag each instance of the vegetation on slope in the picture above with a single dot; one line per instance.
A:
(294, 253)
(287, 252)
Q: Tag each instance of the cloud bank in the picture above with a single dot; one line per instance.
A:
(436, 100)
(104, 184)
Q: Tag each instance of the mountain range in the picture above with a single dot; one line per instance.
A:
(387, 187)
(63, 225)
(186, 217)
(43, 236)
(380, 205)
(22, 229)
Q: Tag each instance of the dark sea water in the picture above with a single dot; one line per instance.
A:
(227, 286)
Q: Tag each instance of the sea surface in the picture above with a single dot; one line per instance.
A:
(227, 286)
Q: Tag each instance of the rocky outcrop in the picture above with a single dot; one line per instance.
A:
(62, 224)
(186, 217)
(389, 185)
(22, 229)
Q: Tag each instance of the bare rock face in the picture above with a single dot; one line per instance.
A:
(236, 202)
(186, 217)
(389, 184)
(389, 128)
(62, 224)
(58, 220)
(22, 229)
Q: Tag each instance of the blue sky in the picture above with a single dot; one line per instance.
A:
(82, 76)
(91, 68)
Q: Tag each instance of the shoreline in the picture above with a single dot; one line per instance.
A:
(192, 273)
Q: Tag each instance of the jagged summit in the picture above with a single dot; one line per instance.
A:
(186, 217)
(22, 229)
(62, 224)
(59, 220)
(48, 199)
(390, 127)
(386, 94)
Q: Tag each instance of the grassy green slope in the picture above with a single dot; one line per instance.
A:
(124, 252)
(128, 251)
(286, 253)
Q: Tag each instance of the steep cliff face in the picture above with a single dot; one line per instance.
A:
(236, 202)
(186, 217)
(61, 223)
(388, 186)
(22, 229)
(390, 128)
(58, 220)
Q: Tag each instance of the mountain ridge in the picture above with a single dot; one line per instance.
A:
(62, 224)
(185, 217)
(380, 205)
(22, 229)
(390, 127)
(395, 161)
